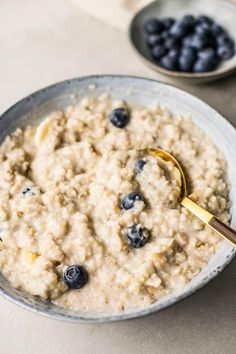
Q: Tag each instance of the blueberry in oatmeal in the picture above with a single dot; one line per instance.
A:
(28, 191)
(129, 200)
(137, 236)
(75, 276)
(119, 117)
(139, 164)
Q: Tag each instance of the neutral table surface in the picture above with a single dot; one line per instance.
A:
(45, 41)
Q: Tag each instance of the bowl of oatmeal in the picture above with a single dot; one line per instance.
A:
(91, 225)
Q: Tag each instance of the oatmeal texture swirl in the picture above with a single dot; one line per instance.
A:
(80, 190)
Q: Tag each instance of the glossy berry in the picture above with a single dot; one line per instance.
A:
(186, 59)
(168, 22)
(204, 65)
(154, 39)
(179, 30)
(188, 52)
(137, 236)
(75, 276)
(203, 29)
(171, 43)
(119, 117)
(165, 35)
(225, 52)
(207, 53)
(158, 51)
(188, 20)
(224, 39)
(129, 200)
(153, 26)
(216, 30)
(205, 19)
(169, 63)
(187, 41)
(174, 54)
(199, 41)
(139, 164)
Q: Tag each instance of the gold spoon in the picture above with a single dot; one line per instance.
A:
(204, 215)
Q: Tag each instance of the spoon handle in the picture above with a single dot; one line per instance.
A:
(209, 219)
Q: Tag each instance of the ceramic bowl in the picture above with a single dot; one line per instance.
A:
(224, 13)
(35, 107)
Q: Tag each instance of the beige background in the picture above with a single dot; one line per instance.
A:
(50, 40)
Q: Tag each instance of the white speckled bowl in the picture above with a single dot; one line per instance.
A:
(33, 108)
(224, 13)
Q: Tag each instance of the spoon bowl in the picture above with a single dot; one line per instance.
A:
(166, 156)
(205, 216)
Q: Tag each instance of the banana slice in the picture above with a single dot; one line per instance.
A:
(42, 131)
(29, 257)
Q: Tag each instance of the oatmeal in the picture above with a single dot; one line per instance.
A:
(90, 221)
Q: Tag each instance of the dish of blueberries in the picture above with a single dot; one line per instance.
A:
(189, 44)
(189, 40)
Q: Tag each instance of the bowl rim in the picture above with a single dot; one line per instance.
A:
(147, 310)
(215, 74)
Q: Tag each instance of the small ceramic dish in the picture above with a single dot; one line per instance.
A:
(35, 107)
(222, 11)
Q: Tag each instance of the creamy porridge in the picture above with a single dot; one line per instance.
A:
(92, 222)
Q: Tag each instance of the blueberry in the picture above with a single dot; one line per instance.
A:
(137, 236)
(225, 52)
(139, 164)
(207, 53)
(204, 65)
(188, 19)
(75, 276)
(165, 35)
(153, 26)
(187, 59)
(216, 30)
(168, 22)
(188, 52)
(224, 39)
(179, 30)
(203, 29)
(185, 64)
(187, 41)
(119, 117)
(158, 51)
(169, 63)
(129, 200)
(174, 54)
(199, 41)
(28, 191)
(171, 43)
(205, 19)
(154, 39)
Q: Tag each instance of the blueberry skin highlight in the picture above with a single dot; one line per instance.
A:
(137, 236)
(75, 276)
(129, 200)
(139, 164)
(119, 117)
